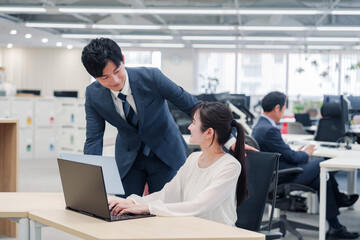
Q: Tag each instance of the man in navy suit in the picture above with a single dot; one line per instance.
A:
(269, 139)
(153, 149)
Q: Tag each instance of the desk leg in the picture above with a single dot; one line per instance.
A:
(352, 179)
(23, 228)
(35, 230)
(322, 215)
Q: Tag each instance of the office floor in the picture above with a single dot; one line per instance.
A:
(41, 175)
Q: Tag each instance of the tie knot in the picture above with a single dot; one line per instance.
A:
(122, 97)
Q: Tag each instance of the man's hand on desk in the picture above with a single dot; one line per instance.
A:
(119, 206)
(308, 149)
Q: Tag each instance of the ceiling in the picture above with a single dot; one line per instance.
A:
(222, 24)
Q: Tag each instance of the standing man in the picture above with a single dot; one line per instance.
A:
(149, 146)
(269, 139)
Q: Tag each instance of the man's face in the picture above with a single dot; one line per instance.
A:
(113, 77)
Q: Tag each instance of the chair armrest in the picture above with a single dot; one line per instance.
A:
(289, 187)
(290, 171)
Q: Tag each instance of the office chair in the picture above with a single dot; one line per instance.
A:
(181, 119)
(331, 126)
(286, 201)
(303, 118)
(249, 140)
(261, 170)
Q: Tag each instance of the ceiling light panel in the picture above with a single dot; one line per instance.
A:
(214, 45)
(23, 9)
(55, 25)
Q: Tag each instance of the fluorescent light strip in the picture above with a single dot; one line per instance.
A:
(148, 11)
(267, 46)
(332, 39)
(274, 28)
(213, 45)
(162, 45)
(325, 47)
(287, 39)
(141, 37)
(131, 27)
(345, 12)
(125, 44)
(210, 38)
(135, 37)
(22, 9)
(199, 27)
(55, 25)
(340, 29)
(280, 11)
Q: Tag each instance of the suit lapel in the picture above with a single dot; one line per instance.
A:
(137, 93)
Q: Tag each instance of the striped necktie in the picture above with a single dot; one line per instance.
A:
(129, 112)
(133, 120)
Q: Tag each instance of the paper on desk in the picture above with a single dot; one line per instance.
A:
(111, 174)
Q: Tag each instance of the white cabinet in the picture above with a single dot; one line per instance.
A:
(5, 107)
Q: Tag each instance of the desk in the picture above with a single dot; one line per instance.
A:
(16, 206)
(338, 163)
(145, 228)
(8, 167)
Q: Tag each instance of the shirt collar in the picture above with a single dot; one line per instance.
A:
(126, 89)
(270, 120)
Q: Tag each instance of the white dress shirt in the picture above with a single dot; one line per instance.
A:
(209, 193)
(129, 97)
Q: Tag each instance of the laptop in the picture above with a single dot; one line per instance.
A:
(85, 192)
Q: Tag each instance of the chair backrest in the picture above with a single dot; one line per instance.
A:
(331, 127)
(260, 171)
(249, 140)
(303, 118)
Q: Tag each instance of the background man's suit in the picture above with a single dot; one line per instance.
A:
(270, 140)
(156, 128)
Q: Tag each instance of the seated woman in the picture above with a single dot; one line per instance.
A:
(210, 184)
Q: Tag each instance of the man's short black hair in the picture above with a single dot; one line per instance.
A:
(272, 99)
(97, 53)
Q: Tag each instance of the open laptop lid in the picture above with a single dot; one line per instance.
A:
(111, 174)
(84, 189)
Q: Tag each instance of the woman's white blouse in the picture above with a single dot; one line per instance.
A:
(208, 193)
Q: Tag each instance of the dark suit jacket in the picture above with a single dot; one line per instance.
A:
(157, 129)
(270, 140)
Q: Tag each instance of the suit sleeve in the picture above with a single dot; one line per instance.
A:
(277, 144)
(95, 127)
(174, 93)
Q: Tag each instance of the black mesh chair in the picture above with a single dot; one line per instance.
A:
(331, 126)
(261, 171)
(287, 201)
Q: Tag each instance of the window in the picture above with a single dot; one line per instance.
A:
(142, 58)
(260, 73)
(350, 74)
(216, 66)
(313, 74)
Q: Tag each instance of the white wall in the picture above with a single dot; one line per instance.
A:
(50, 69)
(179, 66)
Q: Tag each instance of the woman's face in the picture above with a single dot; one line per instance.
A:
(197, 136)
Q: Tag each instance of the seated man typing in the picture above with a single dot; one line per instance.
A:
(269, 139)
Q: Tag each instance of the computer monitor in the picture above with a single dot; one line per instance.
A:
(27, 91)
(206, 97)
(73, 94)
(355, 103)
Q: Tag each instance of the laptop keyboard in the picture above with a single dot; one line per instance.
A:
(121, 217)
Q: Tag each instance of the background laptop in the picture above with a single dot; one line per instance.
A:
(84, 190)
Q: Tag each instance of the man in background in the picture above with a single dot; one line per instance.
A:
(269, 139)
